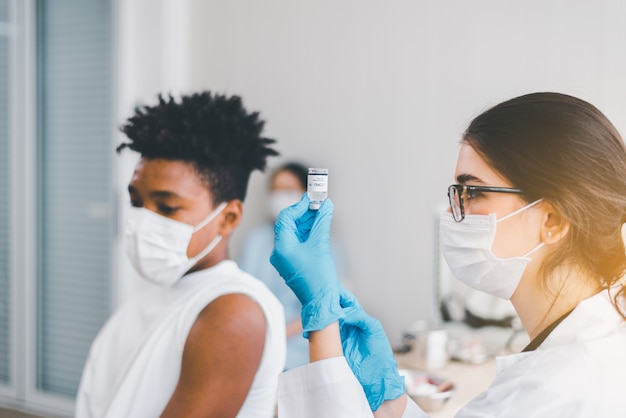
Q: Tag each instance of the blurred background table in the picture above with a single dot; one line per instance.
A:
(469, 381)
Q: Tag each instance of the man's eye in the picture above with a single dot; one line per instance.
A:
(167, 210)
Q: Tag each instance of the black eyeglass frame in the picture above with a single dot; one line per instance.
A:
(461, 189)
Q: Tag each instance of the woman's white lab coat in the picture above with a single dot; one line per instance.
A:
(578, 371)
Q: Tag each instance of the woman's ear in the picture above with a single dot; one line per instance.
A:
(555, 227)
(232, 217)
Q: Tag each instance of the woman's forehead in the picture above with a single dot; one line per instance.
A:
(472, 168)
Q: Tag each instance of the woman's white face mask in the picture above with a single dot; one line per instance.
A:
(467, 248)
(157, 245)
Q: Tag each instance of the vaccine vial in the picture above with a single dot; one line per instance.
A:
(317, 187)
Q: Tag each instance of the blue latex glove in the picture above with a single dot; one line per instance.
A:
(368, 352)
(303, 259)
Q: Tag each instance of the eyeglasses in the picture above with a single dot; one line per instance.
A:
(458, 193)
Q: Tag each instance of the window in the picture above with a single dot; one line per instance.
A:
(74, 193)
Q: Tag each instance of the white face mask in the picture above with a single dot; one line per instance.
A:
(280, 200)
(157, 245)
(466, 246)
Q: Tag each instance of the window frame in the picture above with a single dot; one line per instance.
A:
(22, 392)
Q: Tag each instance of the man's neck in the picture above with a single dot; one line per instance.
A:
(216, 256)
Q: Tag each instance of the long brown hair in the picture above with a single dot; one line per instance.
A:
(565, 151)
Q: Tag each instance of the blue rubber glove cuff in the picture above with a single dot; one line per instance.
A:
(321, 312)
(368, 352)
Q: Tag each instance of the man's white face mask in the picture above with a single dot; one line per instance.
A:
(157, 245)
(466, 246)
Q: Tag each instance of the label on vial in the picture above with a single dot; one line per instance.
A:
(317, 186)
(317, 180)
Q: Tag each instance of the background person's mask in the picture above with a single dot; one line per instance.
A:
(466, 246)
(157, 245)
(281, 199)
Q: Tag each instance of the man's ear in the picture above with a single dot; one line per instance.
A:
(232, 217)
(554, 227)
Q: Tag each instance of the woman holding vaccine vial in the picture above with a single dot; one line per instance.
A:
(536, 216)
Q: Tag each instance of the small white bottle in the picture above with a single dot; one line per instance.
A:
(317, 187)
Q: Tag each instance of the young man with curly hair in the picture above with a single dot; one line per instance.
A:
(209, 339)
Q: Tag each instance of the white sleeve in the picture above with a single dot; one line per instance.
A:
(329, 389)
(325, 388)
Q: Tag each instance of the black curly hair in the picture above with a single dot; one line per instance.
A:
(214, 133)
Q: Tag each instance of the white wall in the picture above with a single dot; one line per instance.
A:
(152, 57)
(380, 91)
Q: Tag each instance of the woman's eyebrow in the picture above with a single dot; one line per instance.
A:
(464, 178)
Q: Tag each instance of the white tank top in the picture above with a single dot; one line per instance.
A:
(134, 363)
